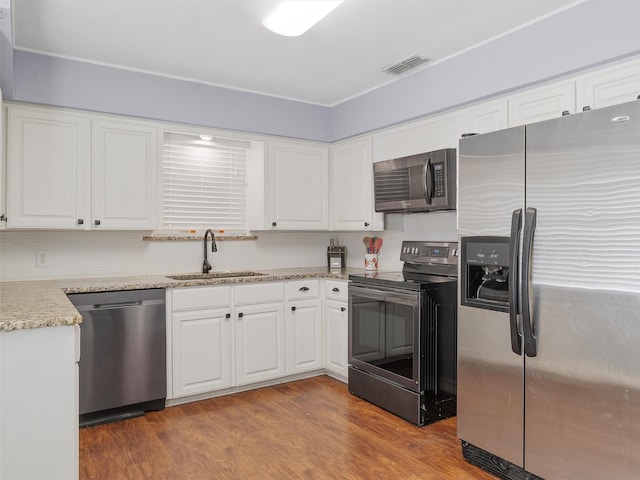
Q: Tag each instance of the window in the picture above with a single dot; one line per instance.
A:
(204, 182)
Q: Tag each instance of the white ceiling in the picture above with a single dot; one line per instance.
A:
(222, 42)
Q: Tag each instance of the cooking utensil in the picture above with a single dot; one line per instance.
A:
(377, 245)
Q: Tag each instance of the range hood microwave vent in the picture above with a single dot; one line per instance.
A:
(405, 64)
(417, 183)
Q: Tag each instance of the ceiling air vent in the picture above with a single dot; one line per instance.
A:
(405, 64)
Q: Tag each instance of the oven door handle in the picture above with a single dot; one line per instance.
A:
(383, 295)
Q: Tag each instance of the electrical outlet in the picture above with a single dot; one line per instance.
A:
(42, 258)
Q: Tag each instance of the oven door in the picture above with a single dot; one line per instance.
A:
(384, 324)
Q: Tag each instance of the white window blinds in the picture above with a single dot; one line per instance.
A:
(205, 182)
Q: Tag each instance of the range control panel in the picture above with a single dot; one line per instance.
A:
(429, 252)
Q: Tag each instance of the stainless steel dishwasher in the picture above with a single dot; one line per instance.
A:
(122, 354)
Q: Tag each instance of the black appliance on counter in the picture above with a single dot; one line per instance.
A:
(402, 334)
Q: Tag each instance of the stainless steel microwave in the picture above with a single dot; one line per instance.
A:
(417, 183)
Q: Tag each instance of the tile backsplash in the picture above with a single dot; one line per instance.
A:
(100, 254)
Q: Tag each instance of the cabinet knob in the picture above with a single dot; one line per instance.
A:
(335, 289)
(273, 224)
(240, 315)
(81, 221)
(228, 315)
(366, 224)
(293, 309)
(342, 309)
(96, 222)
(303, 289)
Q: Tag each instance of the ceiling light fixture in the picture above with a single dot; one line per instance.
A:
(206, 138)
(293, 18)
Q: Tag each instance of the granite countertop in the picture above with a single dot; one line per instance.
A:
(44, 303)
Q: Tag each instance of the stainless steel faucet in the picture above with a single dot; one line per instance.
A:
(206, 266)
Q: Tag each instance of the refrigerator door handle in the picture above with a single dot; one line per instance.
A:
(514, 255)
(427, 181)
(530, 341)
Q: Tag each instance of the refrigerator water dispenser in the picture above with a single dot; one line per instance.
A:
(485, 272)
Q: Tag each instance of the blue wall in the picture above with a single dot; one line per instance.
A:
(69, 83)
(592, 33)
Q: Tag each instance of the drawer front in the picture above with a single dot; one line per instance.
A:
(336, 290)
(260, 292)
(190, 298)
(298, 289)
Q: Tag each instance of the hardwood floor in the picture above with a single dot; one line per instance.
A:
(309, 429)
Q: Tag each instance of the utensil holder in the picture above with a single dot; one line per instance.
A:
(371, 261)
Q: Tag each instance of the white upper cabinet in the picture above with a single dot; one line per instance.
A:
(47, 168)
(124, 175)
(425, 136)
(298, 186)
(489, 116)
(542, 103)
(610, 86)
(66, 170)
(352, 205)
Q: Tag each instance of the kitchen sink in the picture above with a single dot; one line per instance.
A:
(204, 276)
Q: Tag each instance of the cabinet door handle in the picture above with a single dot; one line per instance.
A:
(228, 315)
(96, 222)
(366, 224)
(81, 221)
(273, 224)
(303, 289)
(293, 309)
(335, 289)
(342, 309)
(240, 315)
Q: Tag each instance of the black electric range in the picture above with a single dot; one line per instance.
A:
(402, 334)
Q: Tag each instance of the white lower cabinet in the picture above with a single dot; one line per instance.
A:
(214, 336)
(201, 339)
(226, 336)
(304, 326)
(259, 327)
(336, 317)
(39, 403)
(260, 341)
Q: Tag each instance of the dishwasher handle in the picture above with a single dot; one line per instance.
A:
(89, 306)
(111, 306)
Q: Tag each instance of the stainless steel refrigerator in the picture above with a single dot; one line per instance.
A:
(549, 305)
